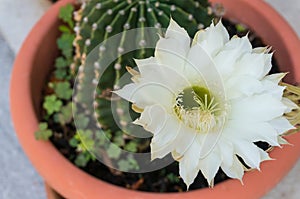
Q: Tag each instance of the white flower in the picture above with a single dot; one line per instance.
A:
(207, 101)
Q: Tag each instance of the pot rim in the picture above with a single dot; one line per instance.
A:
(70, 181)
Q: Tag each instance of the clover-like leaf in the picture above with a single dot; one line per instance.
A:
(82, 159)
(113, 151)
(131, 146)
(81, 121)
(65, 115)
(65, 44)
(61, 62)
(118, 138)
(129, 164)
(87, 142)
(66, 14)
(52, 104)
(43, 133)
(63, 90)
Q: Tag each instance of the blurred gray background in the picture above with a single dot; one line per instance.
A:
(18, 179)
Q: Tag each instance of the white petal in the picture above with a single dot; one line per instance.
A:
(264, 155)
(256, 108)
(282, 141)
(200, 67)
(269, 86)
(235, 170)
(162, 142)
(251, 65)
(226, 59)
(226, 151)
(152, 118)
(242, 86)
(213, 38)
(289, 105)
(183, 141)
(188, 164)
(172, 49)
(251, 132)
(268, 63)
(281, 125)
(275, 78)
(248, 152)
(178, 33)
(209, 166)
(168, 77)
(147, 94)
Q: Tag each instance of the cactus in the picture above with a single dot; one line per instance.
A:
(97, 20)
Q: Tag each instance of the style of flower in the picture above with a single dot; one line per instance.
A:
(208, 101)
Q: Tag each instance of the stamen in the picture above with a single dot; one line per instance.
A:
(201, 113)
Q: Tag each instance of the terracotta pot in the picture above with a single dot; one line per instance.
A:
(51, 194)
(36, 59)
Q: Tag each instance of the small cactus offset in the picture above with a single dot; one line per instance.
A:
(98, 20)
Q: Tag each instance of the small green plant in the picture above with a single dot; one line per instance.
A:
(43, 133)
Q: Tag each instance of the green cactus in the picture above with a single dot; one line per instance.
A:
(98, 20)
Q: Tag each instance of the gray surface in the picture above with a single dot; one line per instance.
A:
(17, 177)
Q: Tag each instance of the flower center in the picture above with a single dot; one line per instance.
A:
(197, 109)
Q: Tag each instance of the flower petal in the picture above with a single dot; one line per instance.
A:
(281, 124)
(235, 170)
(162, 142)
(146, 94)
(153, 118)
(209, 166)
(152, 71)
(262, 107)
(289, 105)
(188, 164)
(213, 38)
(225, 60)
(172, 49)
(251, 64)
(200, 69)
(248, 152)
(242, 86)
(252, 132)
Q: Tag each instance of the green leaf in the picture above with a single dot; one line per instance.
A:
(129, 164)
(43, 133)
(73, 142)
(63, 90)
(64, 29)
(66, 14)
(86, 140)
(60, 73)
(61, 62)
(124, 165)
(65, 44)
(131, 147)
(81, 160)
(65, 115)
(173, 178)
(240, 28)
(81, 121)
(113, 151)
(118, 139)
(52, 104)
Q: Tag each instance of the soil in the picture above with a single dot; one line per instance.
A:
(153, 181)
